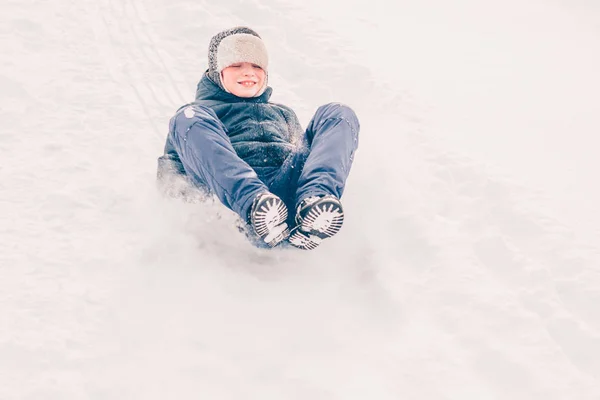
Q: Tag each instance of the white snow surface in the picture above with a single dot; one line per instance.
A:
(469, 263)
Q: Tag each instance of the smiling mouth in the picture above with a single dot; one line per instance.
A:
(247, 83)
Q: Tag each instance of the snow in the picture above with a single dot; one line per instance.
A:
(468, 267)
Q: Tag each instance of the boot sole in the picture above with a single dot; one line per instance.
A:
(269, 221)
(324, 219)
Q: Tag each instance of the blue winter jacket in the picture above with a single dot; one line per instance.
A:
(263, 134)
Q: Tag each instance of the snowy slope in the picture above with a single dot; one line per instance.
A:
(481, 281)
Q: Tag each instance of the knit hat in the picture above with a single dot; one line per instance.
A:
(236, 45)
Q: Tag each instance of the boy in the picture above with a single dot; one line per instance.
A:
(253, 154)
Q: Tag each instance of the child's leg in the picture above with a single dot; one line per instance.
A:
(285, 183)
(333, 138)
(210, 160)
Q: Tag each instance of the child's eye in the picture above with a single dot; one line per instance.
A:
(256, 66)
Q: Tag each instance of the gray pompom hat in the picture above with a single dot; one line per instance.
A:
(235, 45)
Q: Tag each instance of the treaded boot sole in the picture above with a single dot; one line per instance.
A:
(268, 220)
(320, 220)
(324, 218)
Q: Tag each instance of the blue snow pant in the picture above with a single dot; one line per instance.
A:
(319, 165)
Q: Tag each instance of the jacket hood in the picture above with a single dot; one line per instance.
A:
(209, 90)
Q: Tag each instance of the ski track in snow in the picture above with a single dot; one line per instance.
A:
(448, 281)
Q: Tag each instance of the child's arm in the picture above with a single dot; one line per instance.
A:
(169, 163)
(170, 174)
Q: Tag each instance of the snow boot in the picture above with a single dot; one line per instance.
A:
(267, 217)
(317, 218)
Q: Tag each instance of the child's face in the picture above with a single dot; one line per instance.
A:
(243, 79)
